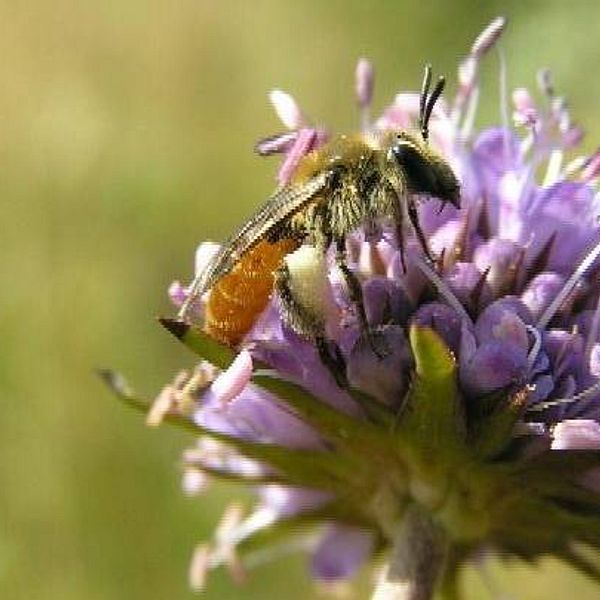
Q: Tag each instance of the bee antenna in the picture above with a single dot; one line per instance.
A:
(428, 101)
(423, 100)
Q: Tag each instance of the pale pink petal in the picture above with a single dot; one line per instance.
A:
(576, 434)
(177, 293)
(231, 382)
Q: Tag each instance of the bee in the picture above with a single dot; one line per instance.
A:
(350, 182)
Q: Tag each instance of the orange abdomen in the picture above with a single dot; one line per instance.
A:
(238, 298)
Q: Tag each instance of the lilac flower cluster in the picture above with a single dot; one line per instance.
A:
(513, 295)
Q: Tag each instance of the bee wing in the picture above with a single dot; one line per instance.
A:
(284, 202)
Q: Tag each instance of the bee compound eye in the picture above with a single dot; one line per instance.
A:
(402, 149)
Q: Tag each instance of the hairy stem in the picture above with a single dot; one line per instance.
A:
(416, 561)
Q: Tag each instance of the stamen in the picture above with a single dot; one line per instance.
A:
(535, 348)
(593, 333)
(553, 170)
(527, 142)
(468, 74)
(276, 144)
(577, 165)
(227, 535)
(471, 112)
(258, 520)
(467, 80)
(488, 37)
(443, 289)
(586, 394)
(544, 78)
(199, 566)
(529, 428)
(365, 79)
(591, 168)
(287, 109)
(222, 551)
(503, 92)
(276, 551)
(302, 145)
(570, 284)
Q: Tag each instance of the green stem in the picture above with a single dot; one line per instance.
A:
(416, 562)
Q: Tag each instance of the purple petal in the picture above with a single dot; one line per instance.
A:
(441, 225)
(540, 292)
(384, 378)
(566, 353)
(567, 209)
(287, 501)
(498, 322)
(468, 345)
(385, 302)
(443, 320)
(445, 235)
(496, 151)
(498, 163)
(256, 415)
(341, 552)
(296, 358)
(543, 386)
(500, 257)
(463, 279)
(495, 365)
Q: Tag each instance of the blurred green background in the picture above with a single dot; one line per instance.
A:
(126, 133)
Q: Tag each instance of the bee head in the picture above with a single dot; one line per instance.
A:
(424, 171)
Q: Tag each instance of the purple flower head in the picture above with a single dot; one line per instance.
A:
(457, 394)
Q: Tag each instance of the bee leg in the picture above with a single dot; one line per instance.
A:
(401, 246)
(413, 215)
(306, 324)
(397, 212)
(376, 343)
(332, 358)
